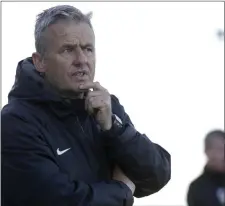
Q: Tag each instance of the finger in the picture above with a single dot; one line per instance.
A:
(88, 106)
(87, 85)
(96, 103)
(91, 85)
(98, 86)
(94, 94)
(90, 109)
(91, 94)
(99, 94)
(93, 103)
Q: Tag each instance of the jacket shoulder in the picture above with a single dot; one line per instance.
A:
(197, 183)
(117, 108)
(16, 108)
(21, 127)
(20, 112)
(114, 99)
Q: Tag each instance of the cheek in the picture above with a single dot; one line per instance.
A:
(63, 65)
(92, 63)
(58, 73)
(217, 155)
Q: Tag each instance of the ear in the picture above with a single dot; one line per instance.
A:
(208, 153)
(38, 62)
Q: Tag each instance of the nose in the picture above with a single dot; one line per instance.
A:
(80, 57)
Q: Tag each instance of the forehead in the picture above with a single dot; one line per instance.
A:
(70, 33)
(218, 141)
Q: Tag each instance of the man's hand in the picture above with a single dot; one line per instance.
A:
(98, 102)
(120, 176)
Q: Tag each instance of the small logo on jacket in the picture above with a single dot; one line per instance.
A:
(62, 152)
(220, 193)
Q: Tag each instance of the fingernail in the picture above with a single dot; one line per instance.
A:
(81, 86)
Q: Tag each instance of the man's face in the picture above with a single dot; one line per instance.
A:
(215, 154)
(70, 57)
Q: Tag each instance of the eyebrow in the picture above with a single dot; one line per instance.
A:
(75, 45)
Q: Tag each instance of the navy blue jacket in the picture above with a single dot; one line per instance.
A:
(37, 125)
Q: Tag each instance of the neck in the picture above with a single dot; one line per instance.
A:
(215, 168)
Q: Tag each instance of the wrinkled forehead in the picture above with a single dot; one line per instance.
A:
(70, 32)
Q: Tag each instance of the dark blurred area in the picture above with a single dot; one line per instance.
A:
(209, 188)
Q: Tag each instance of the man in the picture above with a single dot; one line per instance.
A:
(65, 139)
(209, 188)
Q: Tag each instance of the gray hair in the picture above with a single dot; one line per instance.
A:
(53, 15)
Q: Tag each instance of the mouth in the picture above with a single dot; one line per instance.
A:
(81, 75)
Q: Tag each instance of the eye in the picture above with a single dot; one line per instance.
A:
(89, 49)
(68, 49)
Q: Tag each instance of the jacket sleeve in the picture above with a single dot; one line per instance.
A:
(147, 164)
(31, 176)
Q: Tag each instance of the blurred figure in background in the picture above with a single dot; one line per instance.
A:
(209, 188)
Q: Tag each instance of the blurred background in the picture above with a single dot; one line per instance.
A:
(165, 62)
